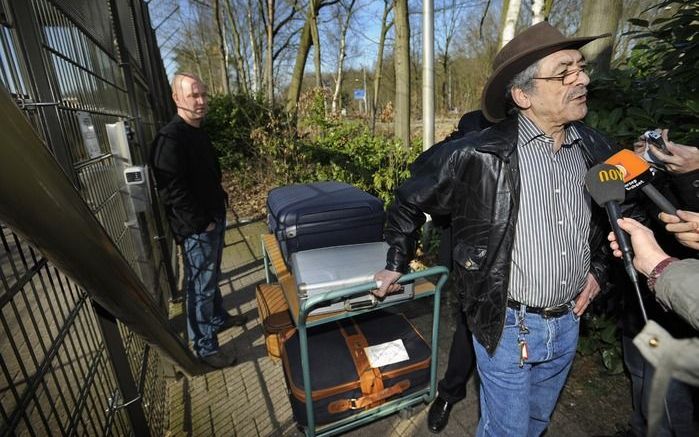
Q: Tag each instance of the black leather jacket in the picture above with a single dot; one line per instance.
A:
(475, 179)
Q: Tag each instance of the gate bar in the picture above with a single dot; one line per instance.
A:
(38, 201)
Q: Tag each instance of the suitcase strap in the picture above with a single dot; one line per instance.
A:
(370, 379)
(369, 400)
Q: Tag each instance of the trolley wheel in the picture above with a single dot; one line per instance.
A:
(407, 412)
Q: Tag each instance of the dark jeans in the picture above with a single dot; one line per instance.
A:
(205, 312)
(452, 388)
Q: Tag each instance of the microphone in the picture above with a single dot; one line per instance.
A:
(638, 174)
(605, 183)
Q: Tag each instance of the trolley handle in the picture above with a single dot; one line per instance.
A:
(344, 293)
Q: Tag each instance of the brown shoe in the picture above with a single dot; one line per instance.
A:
(219, 360)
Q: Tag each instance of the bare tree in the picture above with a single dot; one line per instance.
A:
(344, 16)
(313, 9)
(401, 62)
(385, 26)
(239, 57)
(222, 47)
(510, 14)
(538, 11)
(255, 45)
(301, 57)
(269, 52)
(449, 18)
(598, 17)
(272, 29)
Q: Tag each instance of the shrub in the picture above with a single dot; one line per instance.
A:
(348, 152)
(231, 122)
(657, 87)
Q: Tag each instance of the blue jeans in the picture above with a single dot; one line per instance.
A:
(518, 401)
(205, 313)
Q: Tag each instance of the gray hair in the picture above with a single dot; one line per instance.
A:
(523, 80)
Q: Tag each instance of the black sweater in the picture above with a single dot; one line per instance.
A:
(188, 177)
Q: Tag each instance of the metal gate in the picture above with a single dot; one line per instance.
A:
(83, 71)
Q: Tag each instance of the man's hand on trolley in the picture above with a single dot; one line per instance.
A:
(388, 280)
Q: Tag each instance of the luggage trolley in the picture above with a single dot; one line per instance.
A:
(300, 313)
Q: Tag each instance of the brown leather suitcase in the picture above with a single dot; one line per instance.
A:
(274, 317)
(342, 379)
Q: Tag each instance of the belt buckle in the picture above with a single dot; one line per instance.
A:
(551, 312)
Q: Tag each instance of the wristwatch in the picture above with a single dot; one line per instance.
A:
(658, 270)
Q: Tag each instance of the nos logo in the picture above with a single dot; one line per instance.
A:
(611, 175)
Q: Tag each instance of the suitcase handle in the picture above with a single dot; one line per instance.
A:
(362, 304)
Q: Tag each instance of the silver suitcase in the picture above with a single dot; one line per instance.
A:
(332, 268)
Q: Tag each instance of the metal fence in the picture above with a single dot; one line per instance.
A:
(82, 70)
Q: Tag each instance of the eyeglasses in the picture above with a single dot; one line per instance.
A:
(567, 78)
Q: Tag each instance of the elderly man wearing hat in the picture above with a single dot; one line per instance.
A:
(528, 245)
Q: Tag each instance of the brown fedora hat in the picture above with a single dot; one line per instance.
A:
(534, 43)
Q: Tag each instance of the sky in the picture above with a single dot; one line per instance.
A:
(168, 16)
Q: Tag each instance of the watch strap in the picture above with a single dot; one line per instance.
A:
(658, 270)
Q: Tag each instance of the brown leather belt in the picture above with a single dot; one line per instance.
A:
(546, 313)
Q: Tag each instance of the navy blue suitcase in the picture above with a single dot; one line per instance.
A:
(323, 214)
(343, 381)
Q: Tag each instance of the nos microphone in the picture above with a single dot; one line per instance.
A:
(637, 174)
(605, 184)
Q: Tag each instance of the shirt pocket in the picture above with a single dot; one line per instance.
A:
(468, 256)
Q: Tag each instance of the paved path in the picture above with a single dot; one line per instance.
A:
(250, 398)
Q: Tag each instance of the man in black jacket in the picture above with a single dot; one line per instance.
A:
(452, 387)
(189, 180)
(528, 244)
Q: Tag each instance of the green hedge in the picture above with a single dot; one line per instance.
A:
(657, 86)
(265, 142)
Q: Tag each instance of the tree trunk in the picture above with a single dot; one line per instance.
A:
(401, 123)
(239, 58)
(344, 25)
(385, 25)
(222, 47)
(337, 97)
(256, 48)
(316, 43)
(300, 64)
(600, 16)
(269, 61)
(538, 11)
(510, 14)
(449, 23)
(445, 82)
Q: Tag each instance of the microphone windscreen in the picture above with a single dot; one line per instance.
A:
(605, 183)
(631, 165)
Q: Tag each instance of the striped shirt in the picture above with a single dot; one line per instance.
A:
(551, 253)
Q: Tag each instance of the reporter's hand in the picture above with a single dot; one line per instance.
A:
(683, 159)
(388, 285)
(639, 146)
(647, 252)
(685, 226)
